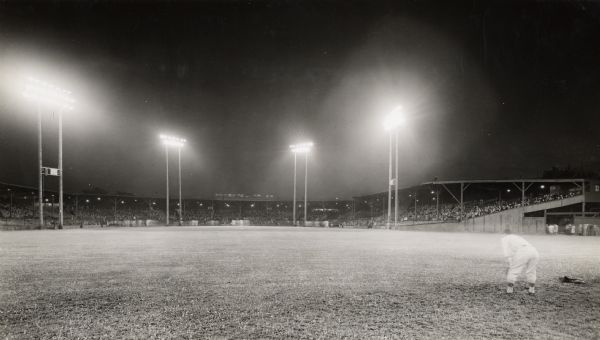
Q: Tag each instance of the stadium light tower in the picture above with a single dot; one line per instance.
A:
(391, 123)
(305, 149)
(51, 97)
(176, 142)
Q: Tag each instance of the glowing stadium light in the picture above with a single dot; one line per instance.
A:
(52, 96)
(87, 201)
(542, 186)
(41, 92)
(305, 149)
(99, 199)
(394, 119)
(172, 140)
(179, 143)
(301, 147)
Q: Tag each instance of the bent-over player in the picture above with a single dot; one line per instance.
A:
(521, 256)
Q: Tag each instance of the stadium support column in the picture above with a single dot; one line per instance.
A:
(462, 204)
(305, 187)
(583, 201)
(523, 195)
(40, 184)
(437, 204)
(389, 209)
(396, 183)
(294, 199)
(415, 207)
(60, 170)
(167, 188)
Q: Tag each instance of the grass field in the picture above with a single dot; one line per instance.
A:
(269, 282)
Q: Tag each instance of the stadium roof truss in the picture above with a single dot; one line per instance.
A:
(521, 184)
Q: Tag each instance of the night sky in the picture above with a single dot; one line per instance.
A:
(490, 90)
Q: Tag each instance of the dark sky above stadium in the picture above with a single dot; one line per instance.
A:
(490, 90)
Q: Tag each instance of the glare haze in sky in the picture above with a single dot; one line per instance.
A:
(489, 90)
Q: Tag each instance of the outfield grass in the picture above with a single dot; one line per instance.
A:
(268, 282)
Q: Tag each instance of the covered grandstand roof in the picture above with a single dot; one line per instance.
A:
(529, 180)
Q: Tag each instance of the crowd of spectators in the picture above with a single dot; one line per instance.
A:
(498, 206)
(449, 212)
(93, 209)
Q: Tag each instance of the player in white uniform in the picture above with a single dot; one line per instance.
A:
(521, 256)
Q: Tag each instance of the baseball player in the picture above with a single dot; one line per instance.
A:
(521, 257)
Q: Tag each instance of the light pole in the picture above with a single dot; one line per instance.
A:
(305, 187)
(167, 181)
(389, 209)
(301, 148)
(391, 123)
(180, 203)
(40, 166)
(177, 142)
(294, 200)
(396, 200)
(53, 97)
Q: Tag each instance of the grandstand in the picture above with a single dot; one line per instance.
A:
(475, 205)
(18, 207)
(490, 205)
